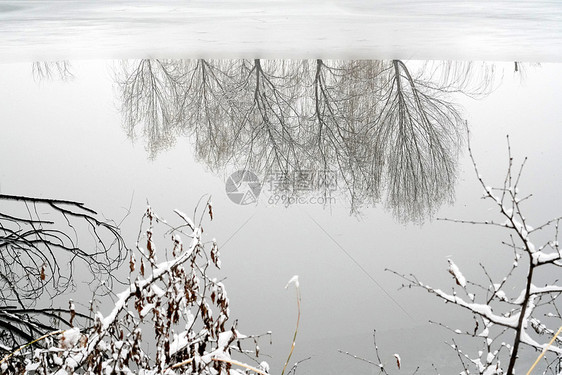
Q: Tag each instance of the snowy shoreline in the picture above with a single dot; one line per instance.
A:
(56, 30)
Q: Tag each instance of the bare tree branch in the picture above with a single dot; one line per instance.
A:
(38, 257)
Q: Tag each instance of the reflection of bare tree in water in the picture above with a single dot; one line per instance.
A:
(150, 95)
(48, 70)
(207, 108)
(243, 112)
(269, 120)
(391, 135)
(419, 136)
(344, 105)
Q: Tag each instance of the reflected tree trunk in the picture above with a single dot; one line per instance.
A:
(419, 134)
(270, 115)
(343, 106)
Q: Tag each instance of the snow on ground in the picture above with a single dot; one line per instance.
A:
(473, 30)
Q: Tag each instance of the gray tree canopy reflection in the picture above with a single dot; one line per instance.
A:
(393, 136)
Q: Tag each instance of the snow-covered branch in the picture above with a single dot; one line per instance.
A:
(162, 323)
(505, 319)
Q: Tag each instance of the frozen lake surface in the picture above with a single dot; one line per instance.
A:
(466, 30)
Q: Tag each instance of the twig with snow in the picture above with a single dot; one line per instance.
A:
(519, 313)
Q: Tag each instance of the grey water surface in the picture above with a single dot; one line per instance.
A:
(87, 128)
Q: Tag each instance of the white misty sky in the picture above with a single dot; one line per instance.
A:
(65, 140)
